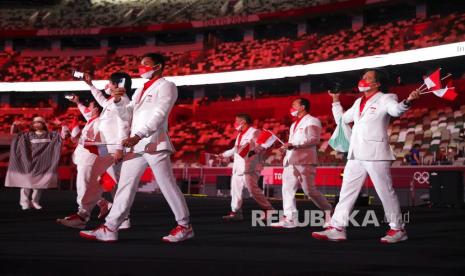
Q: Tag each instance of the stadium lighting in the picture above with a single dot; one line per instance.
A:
(404, 57)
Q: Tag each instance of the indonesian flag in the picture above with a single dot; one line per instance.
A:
(447, 93)
(74, 127)
(433, 81)
(266, 139)
(244, 150)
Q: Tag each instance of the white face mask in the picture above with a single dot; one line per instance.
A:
(108, 91)
(363, 89)
(293, 112)
(238, 126)
(147, 75)
(363, 86)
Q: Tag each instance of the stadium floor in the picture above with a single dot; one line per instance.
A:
(32, 244)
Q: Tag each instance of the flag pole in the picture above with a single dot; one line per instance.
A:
(99, 144)
(428, 92)
(423, 90)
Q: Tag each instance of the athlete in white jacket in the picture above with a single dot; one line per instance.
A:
(369, 155)
(246, 169)
(300, 164)
(150, 145)
(92, 161)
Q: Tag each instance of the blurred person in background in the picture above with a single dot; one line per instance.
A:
(33, 164)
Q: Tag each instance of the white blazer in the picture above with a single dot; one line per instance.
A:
(112, 129)
(90, 131)
(150, 115)
(369, 139)
(304, 138)
(247, 164)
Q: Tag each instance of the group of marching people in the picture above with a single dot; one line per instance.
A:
(123, 136)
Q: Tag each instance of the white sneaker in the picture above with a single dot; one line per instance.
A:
(126, 224)
(104, 206)
(284, 223)
(394, 236)
(73, 221)
(179, 234)
(330, 234)
(233, 216)
(101, 233)
(26, 207)
(36, 205)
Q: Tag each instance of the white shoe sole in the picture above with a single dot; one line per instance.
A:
(94, 238)
(283, 226)
(190, 236)
(326, 238)
(404, 238)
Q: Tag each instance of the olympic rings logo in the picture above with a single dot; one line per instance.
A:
(421, 177)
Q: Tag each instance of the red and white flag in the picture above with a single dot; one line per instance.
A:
(266, 139)
(244, 150)
(74, 128)
(447, 93)
(433, 81)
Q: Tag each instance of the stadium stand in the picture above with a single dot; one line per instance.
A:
(229, 56)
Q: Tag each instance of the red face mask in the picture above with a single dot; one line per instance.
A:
(363, 86)
(144, 69)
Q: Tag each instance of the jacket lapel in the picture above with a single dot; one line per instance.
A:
(148, 91)
(292, 130)
(370, 102)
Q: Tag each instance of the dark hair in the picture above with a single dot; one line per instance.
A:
(246, 117)
(118, 76)
(96, 105)
(305, 103)
(379, 78)
(157, 59)
(377, 74)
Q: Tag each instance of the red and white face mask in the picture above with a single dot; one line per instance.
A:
(238, 126)
(363, 86)
(293, 112)
(146, 72)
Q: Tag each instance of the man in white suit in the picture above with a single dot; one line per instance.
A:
(246, 167)
(300, 163)
(150, 145)
(369, 155)
(103, 126)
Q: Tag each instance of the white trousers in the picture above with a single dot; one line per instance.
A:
(25, 193)
(250, 181)
(132, 169)
(293, 175)
(355, 174)
(89, 190)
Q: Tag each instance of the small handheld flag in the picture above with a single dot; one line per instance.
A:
(266, 139)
